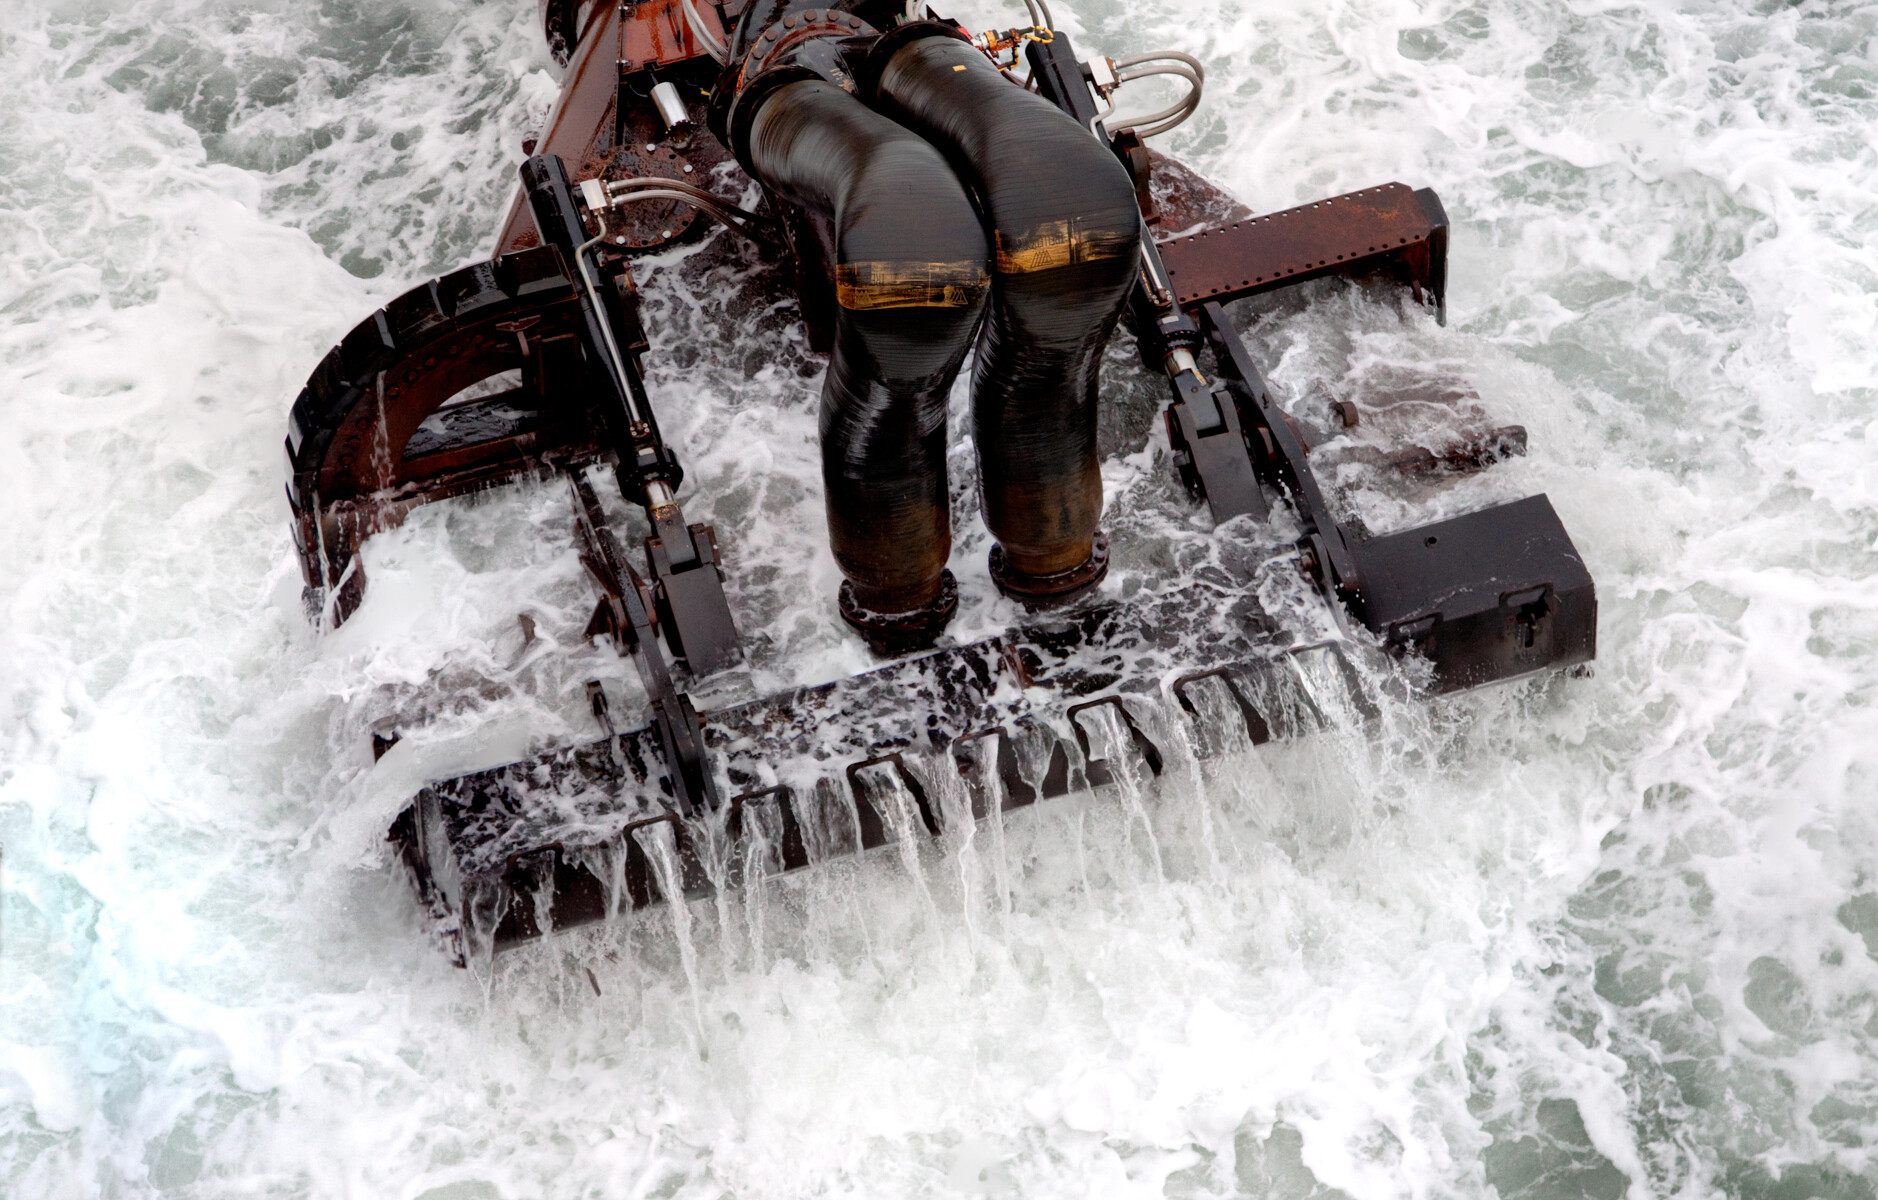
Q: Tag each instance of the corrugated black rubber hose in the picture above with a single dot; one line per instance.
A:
(1066, 238)
(909, 265)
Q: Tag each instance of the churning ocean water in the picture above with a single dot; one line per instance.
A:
(1569, 937)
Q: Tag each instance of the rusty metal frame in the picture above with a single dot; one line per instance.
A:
(1391, 230)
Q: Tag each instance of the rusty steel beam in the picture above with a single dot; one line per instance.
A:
(1391, 230)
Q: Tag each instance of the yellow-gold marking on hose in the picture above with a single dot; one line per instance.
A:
(864, 286)
(1056, 244)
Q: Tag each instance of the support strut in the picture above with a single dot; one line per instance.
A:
(625, 615)
(689, 587)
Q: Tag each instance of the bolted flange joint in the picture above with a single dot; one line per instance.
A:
(1054, 590)
(893, 634)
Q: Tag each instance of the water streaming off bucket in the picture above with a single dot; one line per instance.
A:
(1570, 938)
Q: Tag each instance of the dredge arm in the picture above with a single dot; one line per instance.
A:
(528, 366)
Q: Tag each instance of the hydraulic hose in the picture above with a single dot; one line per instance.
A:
(896, 233)
(1065, 232)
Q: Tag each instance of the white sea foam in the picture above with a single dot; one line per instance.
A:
(1571, 937)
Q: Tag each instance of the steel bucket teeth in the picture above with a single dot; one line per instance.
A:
(919, 749)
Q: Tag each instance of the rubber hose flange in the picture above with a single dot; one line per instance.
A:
(774, 42)
(1052, 591)
(888, 44)
(1066, 235)
(893, 634)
